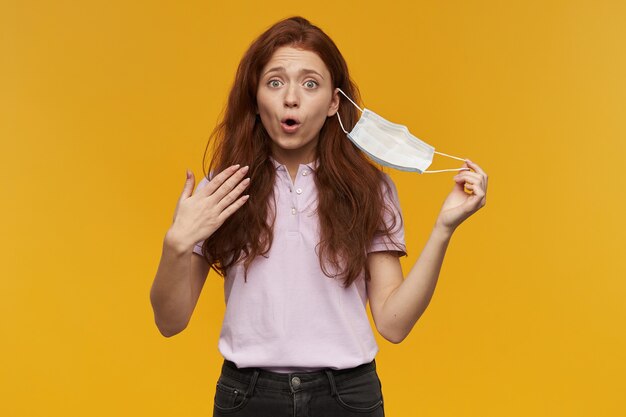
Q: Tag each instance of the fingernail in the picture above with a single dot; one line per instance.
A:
(245, 168)
(235, 166)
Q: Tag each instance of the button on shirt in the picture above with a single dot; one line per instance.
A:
(289, 316)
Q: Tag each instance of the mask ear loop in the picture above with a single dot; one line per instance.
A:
(339, 117)
(424, 172)
(447, 170)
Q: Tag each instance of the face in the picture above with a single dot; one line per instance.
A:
(295, 97)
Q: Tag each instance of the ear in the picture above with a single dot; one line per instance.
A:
(334, 103)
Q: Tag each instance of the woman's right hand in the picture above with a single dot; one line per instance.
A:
(198, 216)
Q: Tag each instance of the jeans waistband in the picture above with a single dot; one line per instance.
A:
(293, 380)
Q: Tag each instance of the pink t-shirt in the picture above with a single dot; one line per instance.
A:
(289, 316)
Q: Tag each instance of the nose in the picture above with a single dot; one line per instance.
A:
(291, 98)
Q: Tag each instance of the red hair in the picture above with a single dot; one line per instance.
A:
(350, 187)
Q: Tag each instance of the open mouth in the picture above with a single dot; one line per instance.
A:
(289, 121)
(290, 125)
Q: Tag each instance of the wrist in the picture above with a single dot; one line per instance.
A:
(176, 243)
(442, 230)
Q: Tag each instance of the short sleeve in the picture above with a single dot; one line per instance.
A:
(198, 246)
(395, 240)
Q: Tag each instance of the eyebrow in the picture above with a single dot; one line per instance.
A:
(302, 71)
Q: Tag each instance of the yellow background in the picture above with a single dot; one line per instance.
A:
(103, 104)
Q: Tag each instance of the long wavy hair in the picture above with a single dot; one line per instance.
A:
(350, 196)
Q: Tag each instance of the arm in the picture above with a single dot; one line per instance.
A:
(181, 274)
(398, 303)
(177, 286)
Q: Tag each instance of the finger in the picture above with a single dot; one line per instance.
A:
(475, 167)
(229, 184)
(472, 177)
(218, 180)
(461, 180)
(189, 183)
(477, 190)
(233, 195)
(461, 184)
(187, 190)
(233, 208)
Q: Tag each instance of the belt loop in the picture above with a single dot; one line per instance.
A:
(250, 389)
(331, 380)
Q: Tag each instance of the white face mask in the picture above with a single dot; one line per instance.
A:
(391, 144)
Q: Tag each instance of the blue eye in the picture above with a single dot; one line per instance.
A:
(273, 81)
(315, 84)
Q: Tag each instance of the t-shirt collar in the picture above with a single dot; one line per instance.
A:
(311, 165)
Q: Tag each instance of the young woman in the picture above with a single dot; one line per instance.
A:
(316, 235)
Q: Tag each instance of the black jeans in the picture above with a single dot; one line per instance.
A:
(247, 392)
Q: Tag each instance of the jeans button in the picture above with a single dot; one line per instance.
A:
(295, 381)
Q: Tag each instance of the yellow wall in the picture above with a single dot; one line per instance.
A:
(103, 104)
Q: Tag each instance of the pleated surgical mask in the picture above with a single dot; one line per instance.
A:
(391, 144)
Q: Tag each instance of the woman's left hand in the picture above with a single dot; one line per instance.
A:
(459, 205)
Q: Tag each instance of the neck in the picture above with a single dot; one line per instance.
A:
(293, 158)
